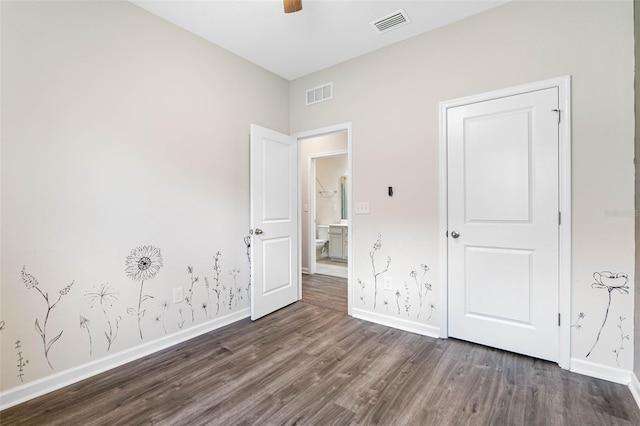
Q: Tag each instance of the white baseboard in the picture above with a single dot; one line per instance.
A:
(64, 378)
(395, 322)
(634, 387)
(599, 371)
(304, 270)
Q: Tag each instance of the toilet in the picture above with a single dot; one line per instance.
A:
(322, 241)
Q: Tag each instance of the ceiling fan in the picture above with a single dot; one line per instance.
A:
(291, 6)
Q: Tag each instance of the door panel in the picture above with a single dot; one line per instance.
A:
(503, 203)
(274, 221)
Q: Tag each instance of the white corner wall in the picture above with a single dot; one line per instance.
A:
(119, 130)
(391, 96)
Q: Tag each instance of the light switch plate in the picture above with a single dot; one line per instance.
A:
(178, 296)
(362, 208)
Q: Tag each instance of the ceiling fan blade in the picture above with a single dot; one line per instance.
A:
(291, 6)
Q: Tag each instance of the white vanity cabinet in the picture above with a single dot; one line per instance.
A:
(338, 242)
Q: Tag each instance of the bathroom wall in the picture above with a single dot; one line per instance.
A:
(125, 175)
(392, 98)
(329, 170)
(310, 147)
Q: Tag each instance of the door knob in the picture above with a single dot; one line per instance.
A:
(455, 234)
(258, 231)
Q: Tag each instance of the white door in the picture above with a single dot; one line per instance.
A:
(274, 221)
(503, 223)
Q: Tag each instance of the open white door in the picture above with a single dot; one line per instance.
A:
(274, 221)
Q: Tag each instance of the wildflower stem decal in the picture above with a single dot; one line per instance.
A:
(189, 298)
(623, 337)
(578, 324)
(247, 243)
(372, 255)
(216, 288)
(84, 323)
(142, 264)
(21, 361)
(32, 283)
(105, 295)
(609, 281)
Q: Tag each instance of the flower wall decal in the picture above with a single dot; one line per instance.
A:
(32, 283)
(84, 323)
(105, 295)
(142, 264)
(423, 286)
(611, 282)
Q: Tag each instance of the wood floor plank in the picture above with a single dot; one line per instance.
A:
(311, 364)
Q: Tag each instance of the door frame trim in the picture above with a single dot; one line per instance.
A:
(347, 126)
(564, 203)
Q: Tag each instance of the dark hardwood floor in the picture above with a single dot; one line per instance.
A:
(310, 363)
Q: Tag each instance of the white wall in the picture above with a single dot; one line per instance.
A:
(392, 96)
(119, 130)
(313, 147)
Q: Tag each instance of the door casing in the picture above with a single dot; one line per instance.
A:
(311, 134)
(564, 203)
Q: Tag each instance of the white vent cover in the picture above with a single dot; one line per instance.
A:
(320, 93)
(391, 21)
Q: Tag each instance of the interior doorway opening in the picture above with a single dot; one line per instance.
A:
(325, 181)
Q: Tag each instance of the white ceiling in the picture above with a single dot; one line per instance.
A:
(324, 33)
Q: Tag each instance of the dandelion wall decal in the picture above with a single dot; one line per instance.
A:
(2, 325)
(32, 283)
(21, 361)
(105, 295)
(142, 264)
(84, 323)
(423, 286)
(611, 282)
(398, 300)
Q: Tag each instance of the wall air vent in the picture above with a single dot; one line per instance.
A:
(391, 22)
(320, 93)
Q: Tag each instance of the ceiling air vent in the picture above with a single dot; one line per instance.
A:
(320, 94)
(391, 22)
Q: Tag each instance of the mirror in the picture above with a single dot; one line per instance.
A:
(343, 197)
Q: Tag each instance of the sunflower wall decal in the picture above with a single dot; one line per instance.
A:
(142, 264)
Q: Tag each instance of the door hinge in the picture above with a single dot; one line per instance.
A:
(558, 320)
(559, 218)
(559, 112)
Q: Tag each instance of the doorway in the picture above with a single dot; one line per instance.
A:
(505, 219)
(327, 240)
(325, 203)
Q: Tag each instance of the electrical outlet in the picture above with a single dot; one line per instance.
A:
(178, 296)
(388, 282)
(362, 208)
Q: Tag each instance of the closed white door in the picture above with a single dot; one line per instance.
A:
(274, 221)
(503, 223)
